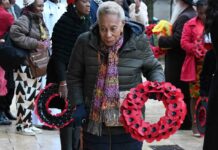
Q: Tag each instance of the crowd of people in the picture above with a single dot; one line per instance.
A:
(98, 52)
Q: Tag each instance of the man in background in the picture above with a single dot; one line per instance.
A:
(15, 10)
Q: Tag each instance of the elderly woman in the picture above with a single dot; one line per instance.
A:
(28, 32)
(106, 62)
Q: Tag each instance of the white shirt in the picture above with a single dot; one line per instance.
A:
(52, 13)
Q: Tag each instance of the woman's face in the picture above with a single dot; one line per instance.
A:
(110, 28)
(83, 7)
(39, 5)
(202, 12)
(6, 4)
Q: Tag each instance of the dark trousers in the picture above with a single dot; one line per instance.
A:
(110, 142)
(5, 101)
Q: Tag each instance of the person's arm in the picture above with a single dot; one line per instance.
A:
(187, 42)
(19, 31)
(152, 68)
(174, 40)
(75, 73)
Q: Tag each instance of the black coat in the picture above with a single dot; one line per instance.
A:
(65, 33)
(210, 140)
(135, 59)
(207, 73)
(175, 57)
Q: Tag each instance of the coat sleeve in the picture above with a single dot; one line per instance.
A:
(152, 68)
(174, 40)
(75, 73)
(207, 72)
(187, 42)
(19, 31)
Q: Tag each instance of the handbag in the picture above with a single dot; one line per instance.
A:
(38, 61)
(11, 56)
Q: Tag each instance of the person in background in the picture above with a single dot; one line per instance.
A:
(108, 59)
(6, 20)
(174, 58)
(94, 4)
(125, 6)
(72, 23)
(52, 12)
(211, 24)
(15, 10)
(138, 12)
(207, 73)
(28, 32)
(192, 41)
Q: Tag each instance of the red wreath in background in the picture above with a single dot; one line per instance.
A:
(131, 111)
(42, 111)
(201, 114)
(158, 52)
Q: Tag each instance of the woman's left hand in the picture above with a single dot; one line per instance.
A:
(62, 90)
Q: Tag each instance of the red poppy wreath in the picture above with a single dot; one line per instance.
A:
(131, 111)
(42, 102)
(201, 114)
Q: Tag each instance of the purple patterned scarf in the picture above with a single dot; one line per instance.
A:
(105, 104)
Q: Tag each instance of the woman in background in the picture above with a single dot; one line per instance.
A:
(71, 24)
(192, 41)
(210, 139)
(28, 32)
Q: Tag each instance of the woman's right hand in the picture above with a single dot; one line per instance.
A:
(62, 90)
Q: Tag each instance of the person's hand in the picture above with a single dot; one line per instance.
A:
(62, 90)
(41, 46)
(137, 5)
(79, 115)
(2, 40)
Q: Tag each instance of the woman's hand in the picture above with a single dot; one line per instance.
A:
(41, 46)
(62, 90)
(2, 40)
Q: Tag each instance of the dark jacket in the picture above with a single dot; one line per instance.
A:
(207, 73)
(65, 33)
(210, 139)
(135, 59)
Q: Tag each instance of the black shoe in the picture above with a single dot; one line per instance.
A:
(10, 115)
(3, 119)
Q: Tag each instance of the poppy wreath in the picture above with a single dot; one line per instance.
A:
(200, 114)
(158, 52)
(42, 111)
(131, 111)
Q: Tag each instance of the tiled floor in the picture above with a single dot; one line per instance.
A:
(49, 140)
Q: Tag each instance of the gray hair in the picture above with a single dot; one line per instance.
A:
(110, 7)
